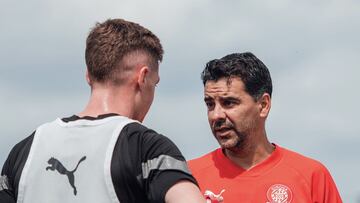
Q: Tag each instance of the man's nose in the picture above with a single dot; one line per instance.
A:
(218, 113)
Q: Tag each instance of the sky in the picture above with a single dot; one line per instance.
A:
(311, 48)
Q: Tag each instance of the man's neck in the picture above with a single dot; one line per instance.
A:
(251, 155)
(109, 100)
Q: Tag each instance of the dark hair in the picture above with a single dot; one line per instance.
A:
(252, 72)
(110, 41)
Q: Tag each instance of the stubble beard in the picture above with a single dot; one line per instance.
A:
(238, 143)
(245, 141)
(239, 137)
(239, 140)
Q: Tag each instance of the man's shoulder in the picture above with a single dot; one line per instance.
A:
(139, 131)
(151, 143)
(15, 161)
(312, 172)
(20, 147)
(301, 163)
(203, 162)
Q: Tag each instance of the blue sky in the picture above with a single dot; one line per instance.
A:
(311, 48)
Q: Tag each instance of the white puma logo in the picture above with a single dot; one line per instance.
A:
(210, 196)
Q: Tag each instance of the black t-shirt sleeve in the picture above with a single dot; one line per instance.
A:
(163, 165)
(145, 165)
(6, 190)
(12, 169)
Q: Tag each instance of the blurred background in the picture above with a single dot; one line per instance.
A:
(311, 48)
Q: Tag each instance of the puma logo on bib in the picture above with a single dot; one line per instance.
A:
(55, 164)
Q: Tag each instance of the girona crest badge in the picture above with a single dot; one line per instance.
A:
(279, 193)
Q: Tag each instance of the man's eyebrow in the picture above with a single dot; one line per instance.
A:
(207, 98)
(230, 98)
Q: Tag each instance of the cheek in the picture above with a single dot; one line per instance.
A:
(209, 118)
(151, 93)
(151, 98)
(234, 115)
(247, 119)
(239, 118)
(211, 123)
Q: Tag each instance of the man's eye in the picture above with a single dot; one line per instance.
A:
(228, 103)
(209, 105)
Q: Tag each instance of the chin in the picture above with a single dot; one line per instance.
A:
(232, 145)
(228, 144)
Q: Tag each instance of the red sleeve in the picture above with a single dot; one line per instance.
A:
(323, 187)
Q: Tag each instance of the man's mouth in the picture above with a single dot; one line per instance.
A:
(223, 131)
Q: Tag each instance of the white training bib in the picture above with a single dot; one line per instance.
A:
(70, 162)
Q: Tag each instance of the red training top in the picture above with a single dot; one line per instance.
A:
(284, 177)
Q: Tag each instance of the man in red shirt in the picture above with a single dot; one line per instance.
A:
(247, 167)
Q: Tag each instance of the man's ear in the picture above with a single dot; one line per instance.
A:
(142, 76)
(265, 105)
